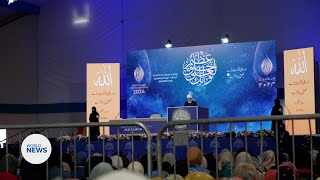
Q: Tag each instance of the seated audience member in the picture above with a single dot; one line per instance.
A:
(81, 158)
(12, 164)
(117, 162)
(195, 160)
(199, 176)
(211, 163)
(68, 159)
(225, 164)
(167, 167)
(182, 168)
(32, 171)
(119, 175)
(270, 175)
(284, 157)
(8, 176)
(100, 169)
(136, 167)
(243, 157)
(255, 161)
(268, 160)
(66, 170)
(246, 171)
(169, 157)
(95, 160)
(288, 171)
(174, 177)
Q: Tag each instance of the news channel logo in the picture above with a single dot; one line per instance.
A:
(36, 149)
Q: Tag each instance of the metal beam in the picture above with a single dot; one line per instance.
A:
(21, 7)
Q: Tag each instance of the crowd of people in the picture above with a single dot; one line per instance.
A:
(225, 165)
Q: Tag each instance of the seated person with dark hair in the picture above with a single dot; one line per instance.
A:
(190, 101)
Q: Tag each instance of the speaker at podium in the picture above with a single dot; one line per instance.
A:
(188, 113)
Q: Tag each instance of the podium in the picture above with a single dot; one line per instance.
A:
(191, 113)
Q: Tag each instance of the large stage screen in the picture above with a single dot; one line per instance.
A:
(232, 80)
(103, 91)
(299, 88)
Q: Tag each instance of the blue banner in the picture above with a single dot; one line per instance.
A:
(140, 146)
(231, 80)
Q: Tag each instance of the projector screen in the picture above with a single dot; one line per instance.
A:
(103, 91)
(299, 88)
(231, 80)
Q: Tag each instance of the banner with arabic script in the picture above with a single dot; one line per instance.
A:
(299, 88)
(103, 91)
(231, 80)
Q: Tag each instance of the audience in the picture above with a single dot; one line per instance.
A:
(246, 171)
(242, 166)
(100, 170)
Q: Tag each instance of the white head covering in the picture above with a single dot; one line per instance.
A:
(314, 155)
(169, 157)
(115, 160)
(204, 162)
(243, 157)
(119, 175)
(100, 169)
(190, 94)
(136, 167)
(171, 177)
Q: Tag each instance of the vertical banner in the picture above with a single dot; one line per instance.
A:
(299, 88)
(103, 91)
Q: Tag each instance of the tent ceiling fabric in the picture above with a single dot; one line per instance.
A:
(35, 2)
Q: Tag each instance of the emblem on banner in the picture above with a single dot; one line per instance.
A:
(138, 74)
(266, 66)
(264, 144)
(180, 114)
(193, 143)
(214, 143)
(109, 149)
(170, 145)
(91, 147)
(238, 144)
(199, 68)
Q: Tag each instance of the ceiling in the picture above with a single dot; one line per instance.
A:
(18, 9)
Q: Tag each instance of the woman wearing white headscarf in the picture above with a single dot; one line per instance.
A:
(225, 164)
(268, 159)
(100, 169)
(119, 175)
(243, 157)
(169, 157)
(136, 167)
(117, 161)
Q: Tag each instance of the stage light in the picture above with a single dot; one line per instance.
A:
(168, 44)
(11, 1)
(225, 39)
(83, 18)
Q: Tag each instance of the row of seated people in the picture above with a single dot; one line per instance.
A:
(224, 165)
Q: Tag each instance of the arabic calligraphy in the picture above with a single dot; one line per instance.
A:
(199, 68)
(106, 79)
(238, 69)
(298, 83)
(299, 64)
(236, 73)
(299, 92)
(104, 93)
(104, 102)
(266, 66)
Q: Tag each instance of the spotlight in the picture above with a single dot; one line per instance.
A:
(168, 44)
(225, 39)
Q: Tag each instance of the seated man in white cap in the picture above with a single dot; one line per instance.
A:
(190, 101)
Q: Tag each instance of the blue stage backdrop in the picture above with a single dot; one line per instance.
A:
(232, 80)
